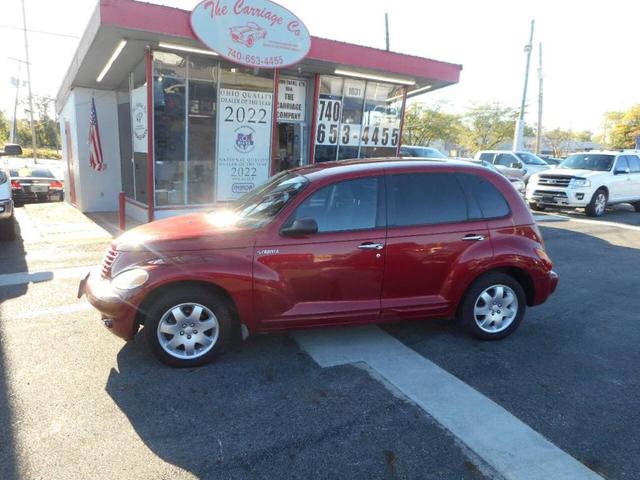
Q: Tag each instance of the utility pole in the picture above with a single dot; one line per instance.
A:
(26, 51)
(518, 137)
(539, 133)
(386, 29)
(14, 123)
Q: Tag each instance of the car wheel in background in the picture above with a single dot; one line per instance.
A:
(536, 207)
(188, 326)
(493, 306)
(598, 204)
(636, 206)
(7, 229)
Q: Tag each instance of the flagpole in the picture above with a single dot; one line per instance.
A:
(26, 51)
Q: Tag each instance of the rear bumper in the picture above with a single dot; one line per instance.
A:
(20, 196)
(6, 209)
(118, 310)
(545, 287)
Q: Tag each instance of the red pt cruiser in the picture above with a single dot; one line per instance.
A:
(331, 244)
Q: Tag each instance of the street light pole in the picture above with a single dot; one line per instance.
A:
(518, 137)
(26, 51)
(539, 132)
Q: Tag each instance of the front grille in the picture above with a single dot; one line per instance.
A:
(109, 258)
(555, 180)
(550, 193)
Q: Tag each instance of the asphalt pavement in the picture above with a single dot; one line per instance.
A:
(77, 402)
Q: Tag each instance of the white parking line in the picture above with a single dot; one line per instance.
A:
(511, 447)
(21, 278)
(606, 223)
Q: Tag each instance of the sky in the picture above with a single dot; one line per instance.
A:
(590, 48)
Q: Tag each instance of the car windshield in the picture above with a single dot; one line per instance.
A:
(588, 161)
(257, 207)
(426, 152)
(531, 159)
(26, 172)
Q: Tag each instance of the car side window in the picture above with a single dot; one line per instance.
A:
(505, 159)
(634, 163)
(491, 202)
(487, 157)
(425, 199)
(621, 164)
(342, 206)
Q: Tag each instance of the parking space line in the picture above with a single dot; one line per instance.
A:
(606, 223)
(21, 278)
(507, 444)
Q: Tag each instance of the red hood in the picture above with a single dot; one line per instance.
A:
(190, 232)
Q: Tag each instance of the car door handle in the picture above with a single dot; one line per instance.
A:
(472, 238)
(371, 246)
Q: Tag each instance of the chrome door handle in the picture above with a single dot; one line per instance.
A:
(475, 238)
(371, 246)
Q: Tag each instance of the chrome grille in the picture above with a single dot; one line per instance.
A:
(554, 180)
(549, 193)
(109, 258)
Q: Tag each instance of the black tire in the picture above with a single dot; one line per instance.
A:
(536, 207)
(7, 230)
(593, 209)
(168, 301)
(466, 314)
(636, 206)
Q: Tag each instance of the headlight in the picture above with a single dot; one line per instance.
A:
(130, 279)
(533, 179)
(579, 182)
(518, 185)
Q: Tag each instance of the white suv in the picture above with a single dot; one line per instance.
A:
(591, 180)
(514, 163)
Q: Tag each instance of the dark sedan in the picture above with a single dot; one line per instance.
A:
(35, 184)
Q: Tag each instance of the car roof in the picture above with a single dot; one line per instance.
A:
(606, 152)
(323, 170)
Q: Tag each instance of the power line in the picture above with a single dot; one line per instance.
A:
(55, 34)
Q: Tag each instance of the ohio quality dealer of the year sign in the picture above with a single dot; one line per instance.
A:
(257, 33)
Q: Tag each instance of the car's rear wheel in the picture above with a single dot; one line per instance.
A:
(187, 327)
(493, 306)
(598, 204)
(536, 207)
(7, 229)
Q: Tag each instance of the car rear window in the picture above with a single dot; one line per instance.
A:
(487, 197)
(31, 172)
(487, 157)
(425, 199)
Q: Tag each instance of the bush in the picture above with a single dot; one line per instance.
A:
(42, 153)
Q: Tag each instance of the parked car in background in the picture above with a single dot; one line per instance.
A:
(516, 181)
(551, 161)
(34, 183)
(590, 180)
(510, 161)
(421, 152)
(329, 244)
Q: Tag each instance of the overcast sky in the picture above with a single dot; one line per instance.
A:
(591, 48)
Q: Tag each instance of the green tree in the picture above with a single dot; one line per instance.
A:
(5, 129)
(423, 125)
(558, 139)
(622, 128)
(485, 126)
(47, 131)
(583, 136)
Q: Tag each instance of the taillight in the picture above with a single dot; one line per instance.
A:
(56, 185)
(15, 185)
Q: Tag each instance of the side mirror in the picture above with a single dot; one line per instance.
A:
(12, 149)
(622, 171)
(516, 165)
(301, 226)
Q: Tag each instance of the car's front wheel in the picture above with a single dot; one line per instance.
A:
(536, 207)
(636, 206)
(493, 306)
(598, 204)
(187, 327)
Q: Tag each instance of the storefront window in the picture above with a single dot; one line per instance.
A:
(357, 119)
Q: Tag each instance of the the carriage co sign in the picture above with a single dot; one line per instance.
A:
(257, 33)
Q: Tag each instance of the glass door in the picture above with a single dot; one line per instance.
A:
(290, 146)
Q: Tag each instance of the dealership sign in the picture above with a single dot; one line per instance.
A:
(257, 33)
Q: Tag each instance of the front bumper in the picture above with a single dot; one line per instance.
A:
(118, 309)
(6, 209)
(565, 197)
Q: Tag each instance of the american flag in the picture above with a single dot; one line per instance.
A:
(95, 147)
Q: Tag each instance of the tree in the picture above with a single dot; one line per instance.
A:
(558, 139)
(485, 126)
(47, 131)
(583, 136)
(424, 125)
(622, 128)
(5, 129)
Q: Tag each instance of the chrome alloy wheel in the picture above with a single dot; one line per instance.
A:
(600, 203)
(496, 308)
(188, 330)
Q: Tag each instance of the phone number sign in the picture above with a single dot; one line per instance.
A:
(256, 33)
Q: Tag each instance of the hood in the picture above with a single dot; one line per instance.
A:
(571, 172)
(197, 231)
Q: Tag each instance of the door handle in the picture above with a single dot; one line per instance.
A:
(371, 246)
(471, 238)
